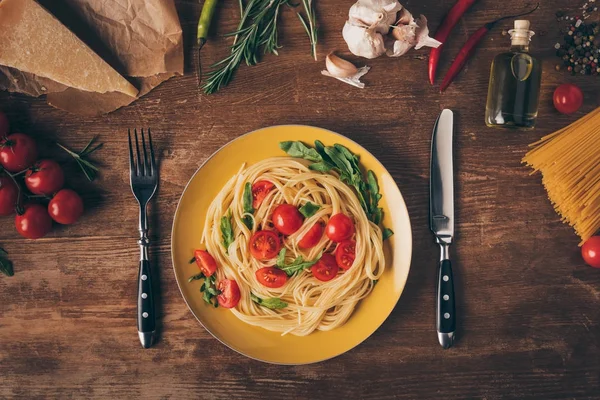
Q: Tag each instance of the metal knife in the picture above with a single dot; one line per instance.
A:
(441, 223)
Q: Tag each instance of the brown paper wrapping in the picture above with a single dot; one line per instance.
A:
(141, 40)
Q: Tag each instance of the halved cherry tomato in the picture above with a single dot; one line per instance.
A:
(17, 152)
(230, 293)
(260, 189)
(45, 177)
(326, 268)
(339, 228)
(313, 236)
(264, 245)
(34, 222)
(205, 262)
(9, 194)
(591, 251)
(345, 254)
(271, 277)
(287, 219)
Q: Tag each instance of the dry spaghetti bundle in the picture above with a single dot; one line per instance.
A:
(569, 160)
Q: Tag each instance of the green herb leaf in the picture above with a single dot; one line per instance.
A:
(298, 265)
(196, 277)
(226, 230)
(6, 266)
(321, 166)
(377, 216)
(248, 208)
(387, 232)
(309, 209)
(274, 303)
(375, 281)
(300, 150)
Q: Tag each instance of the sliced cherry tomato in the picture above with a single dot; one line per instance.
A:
(45, 177)
(9, 194)
(271, 277)
(17, 152)
(264, 245)
(345, 254)
(65, 207)
(339, 228)
(230, 293)
(313, 236)
(34, 222)
(567, 98)
(205, 262)
(326, 268)
(260, 189)
(287, 219)
(4, 125)
(591, 251)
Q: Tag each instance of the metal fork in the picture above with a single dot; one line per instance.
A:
(144, 180)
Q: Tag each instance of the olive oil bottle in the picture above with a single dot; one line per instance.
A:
(515, 80)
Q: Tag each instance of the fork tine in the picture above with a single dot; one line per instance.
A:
(140, 166)
(146, 164)
(152, 159)
(132, 168)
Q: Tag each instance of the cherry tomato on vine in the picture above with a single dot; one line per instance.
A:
(205, 262)
(34, 222)
(65, 207)
(4, 125)
(313, 236)
(326, 268)
(567, 98)
(271, 277)
(345, 254)
(17, 152)
(260, 190)
(591, 251)
(45, 177)
(9, 194)
(287, 219)
(264, 245)
(230, 293)
(339, 228)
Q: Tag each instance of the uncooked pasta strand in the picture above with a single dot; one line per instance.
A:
(312, 304)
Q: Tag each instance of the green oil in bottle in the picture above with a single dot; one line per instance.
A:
(515, 81)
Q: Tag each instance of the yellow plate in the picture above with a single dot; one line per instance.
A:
(256, 342)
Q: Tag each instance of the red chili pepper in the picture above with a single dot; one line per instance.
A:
(467, 50)
(443, 32)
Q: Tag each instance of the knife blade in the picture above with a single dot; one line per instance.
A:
(441, 222)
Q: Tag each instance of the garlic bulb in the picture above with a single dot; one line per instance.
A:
(344, 71)
(374, 27)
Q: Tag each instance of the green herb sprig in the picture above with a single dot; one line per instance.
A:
(6, 266)
(274, 303)
(226, 230)
(310, 25)
(296, 266)
(248, 207)
(208, 288)
(88, 168)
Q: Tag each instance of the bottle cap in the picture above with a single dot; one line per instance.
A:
(521, 35)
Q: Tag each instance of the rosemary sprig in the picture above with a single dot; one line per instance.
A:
(257, 30)
(89, 169)
(311, 26)
(6, 266)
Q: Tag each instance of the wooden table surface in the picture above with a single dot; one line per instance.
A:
(528, 307)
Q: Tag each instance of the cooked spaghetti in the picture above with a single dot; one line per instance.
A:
(311, 304)
(569, 161)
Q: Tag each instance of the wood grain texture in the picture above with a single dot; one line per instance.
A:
(529, 309)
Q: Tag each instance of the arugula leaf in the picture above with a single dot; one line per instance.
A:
(387, 232)
(273, 303)
(196, 277)
(248, 207)
(226, 230)
(6, 266)
(298, 265)
(309, 209)
(300, 150)
(377, 216)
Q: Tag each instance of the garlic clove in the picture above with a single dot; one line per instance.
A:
(338, 67)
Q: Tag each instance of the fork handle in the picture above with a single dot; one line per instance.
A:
(146, 320)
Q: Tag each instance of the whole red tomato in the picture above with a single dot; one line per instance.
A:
(17, 152)
(591, 251)
(8, 196)
(567, 98)
(3, 124)
(45, 177)
(34, 222)
(65, 207)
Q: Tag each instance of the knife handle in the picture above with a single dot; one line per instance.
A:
(446, 312)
